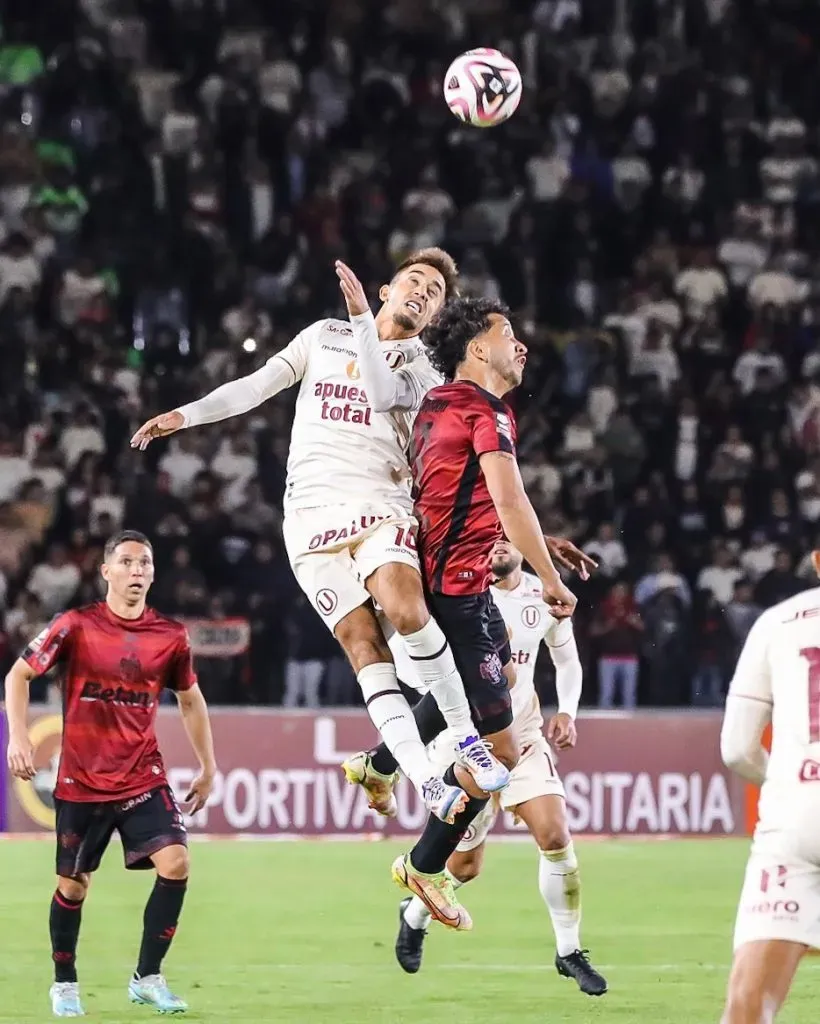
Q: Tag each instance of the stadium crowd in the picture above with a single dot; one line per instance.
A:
(176, 179)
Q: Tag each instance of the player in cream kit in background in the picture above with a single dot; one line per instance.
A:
(535, 792)
(777, 681)
(349, 528)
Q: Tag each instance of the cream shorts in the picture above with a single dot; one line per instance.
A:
(333, 551)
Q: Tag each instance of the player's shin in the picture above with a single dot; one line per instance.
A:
(439, 839)
(64, 926)
(392, 716)
(560, 883)
(429, 722)
(160, 921)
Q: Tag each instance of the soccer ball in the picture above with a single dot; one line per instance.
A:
(482, 87)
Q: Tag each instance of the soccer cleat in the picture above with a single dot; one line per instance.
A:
(65, 999)
(409, 942)
(359, 771)
(443, 800)
(576, 965)
(489, 773)
(435, 891)
(152, 990)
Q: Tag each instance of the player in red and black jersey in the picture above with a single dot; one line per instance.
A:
(469, 494)
(117, 656)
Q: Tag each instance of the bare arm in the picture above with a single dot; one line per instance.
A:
(197, 724)
(20, 754)
(521, 527)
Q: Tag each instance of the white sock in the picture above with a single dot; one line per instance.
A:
(391, 714)
(433, 661)
(416, 913)
(560, 883)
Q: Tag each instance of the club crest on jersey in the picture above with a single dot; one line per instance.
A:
(531, 616)
(394, 358)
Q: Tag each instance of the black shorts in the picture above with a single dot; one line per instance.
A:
(146, 824)
(477, 635)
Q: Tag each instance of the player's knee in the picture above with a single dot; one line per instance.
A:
(409, 617)
(362, 644)
(174, 863)
(551, 836)
(75, 888)
(747, 1004)
(466, 869)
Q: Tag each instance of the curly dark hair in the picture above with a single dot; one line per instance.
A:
(461, 320)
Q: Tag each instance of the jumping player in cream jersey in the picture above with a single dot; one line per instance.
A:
(777, 681)
(535, 792)
(349, 528)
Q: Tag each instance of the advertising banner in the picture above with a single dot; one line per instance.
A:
(279, 775)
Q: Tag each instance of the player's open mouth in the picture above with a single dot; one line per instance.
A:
(414, 306)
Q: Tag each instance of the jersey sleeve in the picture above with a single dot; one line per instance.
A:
(419, 377)
(240, 396)
(51, 645)
(181, 674)
(752, 678)
(492, 429)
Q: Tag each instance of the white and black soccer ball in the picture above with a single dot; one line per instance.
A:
(482, 87)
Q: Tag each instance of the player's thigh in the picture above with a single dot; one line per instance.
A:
(759, 982)
(387, 560)
(149, 823)
(83, 833)
(535, 794)
(467, 623)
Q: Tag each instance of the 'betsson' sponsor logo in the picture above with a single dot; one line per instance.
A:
(116, 695)
(318, 799)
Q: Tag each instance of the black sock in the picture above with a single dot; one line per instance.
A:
(439, 840)
(430, 722)
(160, 923)
(64, 925)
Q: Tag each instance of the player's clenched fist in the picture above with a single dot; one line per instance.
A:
(561, 731)
(159, 426)
(21, 758)
(351, 286)
(560, 598)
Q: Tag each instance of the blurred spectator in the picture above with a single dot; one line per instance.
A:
(617, 629)
(54, 581)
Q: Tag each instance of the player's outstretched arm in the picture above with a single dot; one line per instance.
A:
(748, 708)
(569, 677)
(197, 724)
(521, 527)
(234, 398)
(385, 389)
(20, 753)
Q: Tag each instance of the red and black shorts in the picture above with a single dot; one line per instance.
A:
(146, 823)
(477, 635)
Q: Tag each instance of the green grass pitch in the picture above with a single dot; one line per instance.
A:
(303, 932)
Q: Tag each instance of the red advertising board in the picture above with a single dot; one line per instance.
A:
(279, 775)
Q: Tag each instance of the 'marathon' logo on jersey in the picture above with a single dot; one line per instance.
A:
(92, 691)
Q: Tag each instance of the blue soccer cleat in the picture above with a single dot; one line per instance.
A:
(65, 999)
(152, 990)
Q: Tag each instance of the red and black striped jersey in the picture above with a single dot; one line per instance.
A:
(114, 672)
(458, 524)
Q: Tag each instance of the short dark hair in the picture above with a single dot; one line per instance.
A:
(461, 320)
(122, 537)
(439, 260)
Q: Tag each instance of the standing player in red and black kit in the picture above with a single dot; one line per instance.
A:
(469, 494)
(118, 656)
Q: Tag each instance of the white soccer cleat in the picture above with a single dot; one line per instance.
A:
(489, 773)
(65, 999)
(443, 800)
(152, 990)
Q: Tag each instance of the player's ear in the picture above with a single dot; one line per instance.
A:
(815, 561)
(384, 292)
(104, 571)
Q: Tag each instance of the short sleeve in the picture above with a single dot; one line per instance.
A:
(492, 429)
(51, 645)
(752, 678)
(182, 675)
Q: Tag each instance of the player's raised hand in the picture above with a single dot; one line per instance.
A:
(160, 426)
(198, 794)
(567, 555)
(351, 286)
(561, 731)
(559, 597)
(20, 757)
